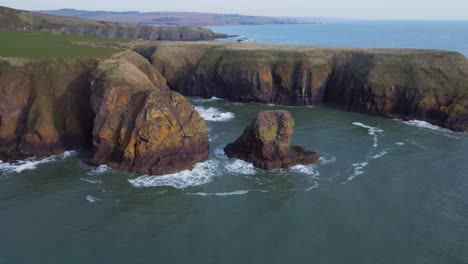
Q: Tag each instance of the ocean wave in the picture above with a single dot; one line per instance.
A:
(32, 163)
(214, 114)
(206, 100)
(306, 169)
(99, 170)
(240, 167)
(400, 143)
(372, 131)
(201, 174)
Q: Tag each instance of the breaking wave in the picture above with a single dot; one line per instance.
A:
(214, 114)
(99, 170)
(201, 174)
(240, 167)
(32, 163)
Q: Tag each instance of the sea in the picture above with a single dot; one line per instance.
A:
(384, 190)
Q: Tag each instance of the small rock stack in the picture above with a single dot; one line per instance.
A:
(267, 143)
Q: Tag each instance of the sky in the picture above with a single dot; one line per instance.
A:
(361, 9)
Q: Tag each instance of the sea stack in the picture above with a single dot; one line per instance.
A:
(267, 143)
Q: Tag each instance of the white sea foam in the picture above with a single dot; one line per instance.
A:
(201, 174)
(234, 193)
(426, 125)
(99, 170)
(32, 163)
(379, 155)
(315, 185)
(306, 169)
(358, 169)
(214, 114)
(324, 160)
(371, 131)
(91, 199)
(400, 143)
(240, 167)
(207, 100)
(91, 181)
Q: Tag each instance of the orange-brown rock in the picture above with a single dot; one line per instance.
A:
(140, 124)
(267, 143)
(44, 106)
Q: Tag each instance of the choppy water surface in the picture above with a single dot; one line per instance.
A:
(384, 191)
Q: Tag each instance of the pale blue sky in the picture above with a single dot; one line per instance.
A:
(370, 9)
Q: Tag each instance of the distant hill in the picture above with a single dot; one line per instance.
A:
(173, 18)
(14, 19)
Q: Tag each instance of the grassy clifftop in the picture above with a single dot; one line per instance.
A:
(24, 20)
(44, 45)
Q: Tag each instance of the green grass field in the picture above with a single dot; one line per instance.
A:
(42, 45)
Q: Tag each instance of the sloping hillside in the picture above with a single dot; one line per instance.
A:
(24, 20)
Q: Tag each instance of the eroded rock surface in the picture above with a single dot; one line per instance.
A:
(267, 143)
(428, 85)
(140, 124)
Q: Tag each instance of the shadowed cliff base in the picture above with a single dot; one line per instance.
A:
(429, 85)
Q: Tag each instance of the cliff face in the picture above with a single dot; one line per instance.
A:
(140, 124)
(121, 108)
(421, 84)
(44, 106)
(23, 20)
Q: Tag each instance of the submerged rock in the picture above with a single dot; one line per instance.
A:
(267, 143)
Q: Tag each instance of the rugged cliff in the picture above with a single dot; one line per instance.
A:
(422, 84)
(140, 124)
(24, 20)
(44, 106)
(120, 108)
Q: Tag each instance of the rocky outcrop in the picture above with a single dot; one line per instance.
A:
(267, 143)
(428, 85)
(44, 106)
(23, 20)
(120, 108)
(140, 124)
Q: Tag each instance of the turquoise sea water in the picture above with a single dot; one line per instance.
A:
(384, 191)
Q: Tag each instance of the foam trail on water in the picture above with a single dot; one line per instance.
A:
(91, 199)
(379, 155)
(91, 181)
(214, 114)
(359, 167)
(372, 131)
(32, 163)
(314, 186)
(240, 167)
(201, 174)
(234, 193)
(400, 143)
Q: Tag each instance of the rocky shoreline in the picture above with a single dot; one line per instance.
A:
(127, 109)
